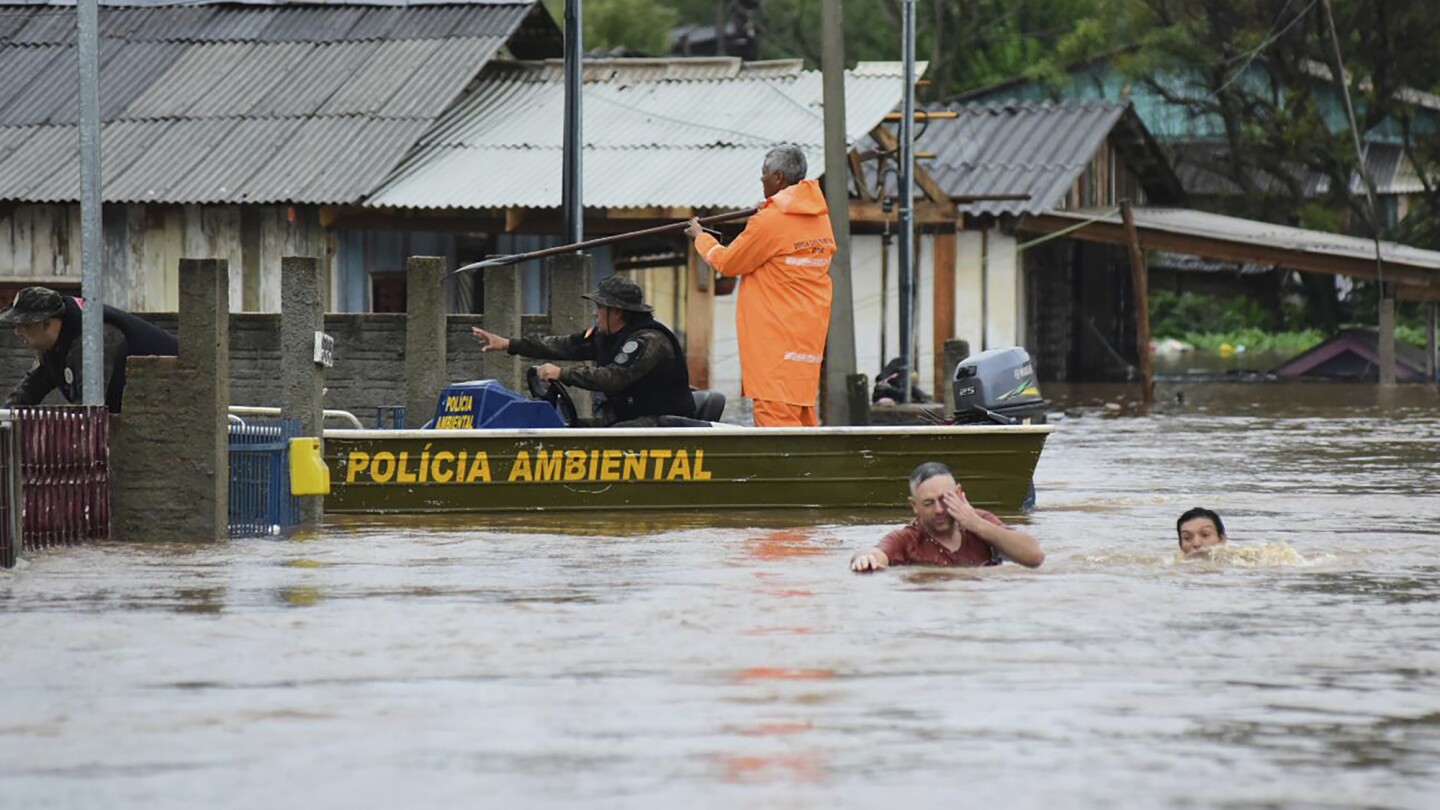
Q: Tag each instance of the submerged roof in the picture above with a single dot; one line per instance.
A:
(658, 132)
(1034, 148)
(1354, 354)
(243, 102)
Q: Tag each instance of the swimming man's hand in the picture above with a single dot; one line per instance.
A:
(868, 561)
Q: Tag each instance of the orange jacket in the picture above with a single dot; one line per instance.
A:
(783, 311)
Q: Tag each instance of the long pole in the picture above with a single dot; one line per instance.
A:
(516, 258)
(91, 277)
(907, 203)
(572, 207)
(840, 342)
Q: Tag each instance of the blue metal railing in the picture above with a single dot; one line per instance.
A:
(260, 499)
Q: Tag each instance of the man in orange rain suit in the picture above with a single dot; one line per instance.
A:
(783, 311)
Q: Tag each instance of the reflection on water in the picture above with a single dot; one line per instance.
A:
(663, 660)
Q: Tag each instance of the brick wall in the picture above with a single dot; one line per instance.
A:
(369, 359)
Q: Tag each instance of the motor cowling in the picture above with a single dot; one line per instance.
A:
(998, 386)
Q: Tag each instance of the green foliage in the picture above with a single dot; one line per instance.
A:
(637, 25)
(1255, 340)
(1174, 315)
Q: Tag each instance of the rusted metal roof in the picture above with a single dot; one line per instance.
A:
(1017, 148)
(658, 132)
(237, 101)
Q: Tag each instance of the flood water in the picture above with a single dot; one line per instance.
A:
(690, 660)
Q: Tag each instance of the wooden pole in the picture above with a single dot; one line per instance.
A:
(1139, 281)
(943, 319)
(558, 250)
(1431, 360)
(1387, 335)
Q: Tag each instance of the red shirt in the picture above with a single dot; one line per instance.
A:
(912, 545)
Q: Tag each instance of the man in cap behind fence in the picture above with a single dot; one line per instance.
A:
(639, 366)
(49, 323)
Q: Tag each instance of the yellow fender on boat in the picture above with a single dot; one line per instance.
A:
(308, 473)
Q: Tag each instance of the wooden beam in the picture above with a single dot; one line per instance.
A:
(858, 172)
(932, 189)
(1140, 286)
(926, 213)
(659, 212)
(943, 320)
(514, 218)
(1210, 247)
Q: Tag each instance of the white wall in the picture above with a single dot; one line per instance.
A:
(995, 291)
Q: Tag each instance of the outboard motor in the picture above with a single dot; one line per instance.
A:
(998, 386)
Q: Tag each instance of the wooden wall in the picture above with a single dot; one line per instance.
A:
(142, 246)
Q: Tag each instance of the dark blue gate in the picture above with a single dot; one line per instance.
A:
(260, 499)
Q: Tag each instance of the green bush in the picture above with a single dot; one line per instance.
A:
(1175, 316)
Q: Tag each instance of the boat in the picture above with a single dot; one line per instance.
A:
(495, 451)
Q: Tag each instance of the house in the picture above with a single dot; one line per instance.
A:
(1037, 254)
(665, 139)
(979, 279)
(232, 129)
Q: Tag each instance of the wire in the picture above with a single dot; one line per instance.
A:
(1267, 42)
(1064, 231)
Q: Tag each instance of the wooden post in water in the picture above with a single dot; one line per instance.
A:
(1431, 360)
(1387, 336)
(1141, 284)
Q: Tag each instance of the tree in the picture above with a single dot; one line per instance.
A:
(636, 26)
(1265, 75)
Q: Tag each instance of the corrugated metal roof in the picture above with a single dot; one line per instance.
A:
(1263, 234)
(648, 141)
(1389, 168)
(237, 101)
(1031, 148)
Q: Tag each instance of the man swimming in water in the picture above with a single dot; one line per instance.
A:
(1199, 528)
(947, 530)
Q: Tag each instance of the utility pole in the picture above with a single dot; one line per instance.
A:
(907, 204)
(572, 206)
(92, 277)
(840, 345)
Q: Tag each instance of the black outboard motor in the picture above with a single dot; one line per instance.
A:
(998, 387)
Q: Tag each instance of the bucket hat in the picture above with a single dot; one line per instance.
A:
(33, 305)
(621, 293)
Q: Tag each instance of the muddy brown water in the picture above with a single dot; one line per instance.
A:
(732, 661)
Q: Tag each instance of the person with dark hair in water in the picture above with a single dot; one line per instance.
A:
(1200, 528)
(947, 530)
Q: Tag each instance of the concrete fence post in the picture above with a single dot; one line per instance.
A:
(503, 308)
(425, 320)
(302, 315)
(569, 313)
(170, 458)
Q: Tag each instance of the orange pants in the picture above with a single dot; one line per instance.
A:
(773, 413)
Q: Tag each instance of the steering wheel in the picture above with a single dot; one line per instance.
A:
(552, 392)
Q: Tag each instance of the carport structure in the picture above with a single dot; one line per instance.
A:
(1407, 273)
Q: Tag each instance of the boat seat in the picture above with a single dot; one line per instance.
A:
(709, 405)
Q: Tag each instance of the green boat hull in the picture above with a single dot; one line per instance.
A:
(676, 468)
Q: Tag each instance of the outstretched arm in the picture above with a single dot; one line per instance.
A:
(872, 560)
(745, 253)
(1013, 543)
